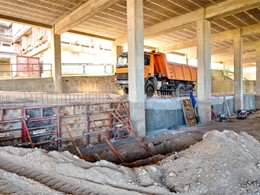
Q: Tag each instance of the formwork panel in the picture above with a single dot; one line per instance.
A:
(103, 107)
(52, 125)
(42, 124)
(11, 113)
(10, 126)
(67, 110)
(75, 134)
(73, 119)
(80, 109)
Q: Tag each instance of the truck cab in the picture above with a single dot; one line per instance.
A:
(122, 69)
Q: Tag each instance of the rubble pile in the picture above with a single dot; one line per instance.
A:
(222, 163)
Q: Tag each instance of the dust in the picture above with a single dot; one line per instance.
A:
(222, 163)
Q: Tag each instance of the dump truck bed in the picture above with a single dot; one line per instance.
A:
(174, 71)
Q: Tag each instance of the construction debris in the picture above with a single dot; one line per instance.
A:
(222, 163)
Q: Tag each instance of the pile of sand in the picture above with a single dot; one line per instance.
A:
(223, 163)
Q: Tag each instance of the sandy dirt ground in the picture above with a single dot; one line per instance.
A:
(214, 158)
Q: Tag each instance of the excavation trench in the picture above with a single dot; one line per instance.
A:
(134, 155)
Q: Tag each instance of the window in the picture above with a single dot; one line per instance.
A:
(146, 60)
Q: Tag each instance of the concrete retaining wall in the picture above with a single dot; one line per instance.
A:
(163, 113)
(167, 113)
(104, 84)
(226, 86)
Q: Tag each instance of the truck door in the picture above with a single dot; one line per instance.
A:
(148, 65)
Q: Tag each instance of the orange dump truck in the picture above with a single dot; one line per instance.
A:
(159, 74)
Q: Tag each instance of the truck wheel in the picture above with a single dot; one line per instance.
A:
(188, 89)
(180, 91)
(149, 89)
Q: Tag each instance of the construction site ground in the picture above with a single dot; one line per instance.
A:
(214, 158)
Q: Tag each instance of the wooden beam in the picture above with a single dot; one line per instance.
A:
(23, 21)
(229, 7)
(82, 13)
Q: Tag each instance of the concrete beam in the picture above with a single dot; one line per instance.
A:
(225, 50)
(211, 12)
(23, 21)
(178, 46)
(226, 8)
(250, 30)
(91, 35)
(230, 63)
(217, 37)
(82, 13)
(167, 25)
(224, 58)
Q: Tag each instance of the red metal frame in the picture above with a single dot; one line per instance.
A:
(26, 130)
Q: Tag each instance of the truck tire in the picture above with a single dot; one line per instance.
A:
(149, 89)
(180, 91)
(188, 89)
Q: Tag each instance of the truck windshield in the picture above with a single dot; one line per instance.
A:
(122, 60)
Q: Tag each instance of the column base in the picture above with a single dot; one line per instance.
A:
(137, 112)
(204, 111)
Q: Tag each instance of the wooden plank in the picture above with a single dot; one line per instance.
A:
(188, 111)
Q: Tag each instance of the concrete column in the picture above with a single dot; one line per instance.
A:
(238, 72)
(258, 74)
(136, 64)
(56, 61)
(204, 70)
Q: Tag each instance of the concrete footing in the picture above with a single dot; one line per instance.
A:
(204, 110)
(138, 117)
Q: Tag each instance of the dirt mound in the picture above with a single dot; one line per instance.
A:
(223, 163)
